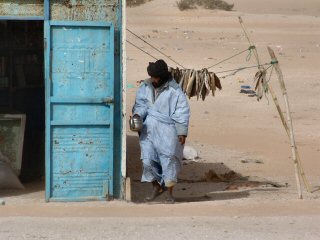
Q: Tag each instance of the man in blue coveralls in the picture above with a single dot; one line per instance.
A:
(164, 110)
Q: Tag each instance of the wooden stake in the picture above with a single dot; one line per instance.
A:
(285, 125)
(255, 52)
(275, 100)
(289, 118)
(274, 97)
(128, 189)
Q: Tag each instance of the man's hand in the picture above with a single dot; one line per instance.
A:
(182, 139)
(137, 116)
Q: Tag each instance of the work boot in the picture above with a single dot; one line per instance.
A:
(169, 198)
(157, 191)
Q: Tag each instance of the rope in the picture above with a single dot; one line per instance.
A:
(141, 49)
(267, 83)
(235, 71)
(224, 60)
(154, 48)
(250, 53)
(270, 73)
(243, 68)
(235, 55)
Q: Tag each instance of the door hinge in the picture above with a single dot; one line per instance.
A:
(108, 101)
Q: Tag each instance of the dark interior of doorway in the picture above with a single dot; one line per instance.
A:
(22, 88)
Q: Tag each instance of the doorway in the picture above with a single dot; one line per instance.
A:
(22, 88)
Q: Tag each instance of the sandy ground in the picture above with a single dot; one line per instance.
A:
(162, 228)
(233, 122)
(231, 131)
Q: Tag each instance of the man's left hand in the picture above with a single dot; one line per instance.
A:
(182, 139)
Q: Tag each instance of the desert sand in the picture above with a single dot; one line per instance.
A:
(231, 131)
(233, 124)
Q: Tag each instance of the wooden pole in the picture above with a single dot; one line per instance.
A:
(285, 125)
(128, 193)
(274, 97)
(255, 52)
(275, 100)
(261, 68)
(289, 118)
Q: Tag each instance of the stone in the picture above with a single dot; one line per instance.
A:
(190, 153)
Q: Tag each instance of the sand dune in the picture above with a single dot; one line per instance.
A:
(286, 7)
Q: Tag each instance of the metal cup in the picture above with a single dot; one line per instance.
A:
(135, 123)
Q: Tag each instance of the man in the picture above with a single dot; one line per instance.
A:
(164, 111)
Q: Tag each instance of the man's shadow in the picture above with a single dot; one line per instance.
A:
(198, 180)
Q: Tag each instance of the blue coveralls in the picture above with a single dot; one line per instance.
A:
(165, 113)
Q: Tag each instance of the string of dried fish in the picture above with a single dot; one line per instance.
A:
(197, 83)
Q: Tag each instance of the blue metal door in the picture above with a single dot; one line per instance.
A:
(79, 110)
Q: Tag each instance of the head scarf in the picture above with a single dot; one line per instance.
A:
(159, 69)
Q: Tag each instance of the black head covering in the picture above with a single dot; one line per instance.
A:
(159, 69)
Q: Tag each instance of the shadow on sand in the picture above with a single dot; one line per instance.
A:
(198, 180)
(29, 188)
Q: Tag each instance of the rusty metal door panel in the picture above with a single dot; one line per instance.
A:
(80, 110)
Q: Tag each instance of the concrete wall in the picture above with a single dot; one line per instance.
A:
(82, 10)
(67, 10)
(21, 8)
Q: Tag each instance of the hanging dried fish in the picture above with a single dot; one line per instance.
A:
(206, 79)
(186, 80)
(217, 82)
(195, 85)
(182, 79)
(260, 80)
(202, 85)
(212, 83)
(191, 83)
(199, 84)
(206, 88)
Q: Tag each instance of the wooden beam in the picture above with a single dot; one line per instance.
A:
(128, 189)
(297, 163)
